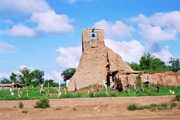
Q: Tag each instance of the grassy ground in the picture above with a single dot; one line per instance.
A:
(34, 93)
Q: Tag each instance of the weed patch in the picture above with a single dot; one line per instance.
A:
(25, 111)
(21, 105)
(173, 105)
(43, 103)
(162, 106)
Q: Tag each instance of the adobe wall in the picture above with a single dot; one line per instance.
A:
(165, 78)
(97, 61)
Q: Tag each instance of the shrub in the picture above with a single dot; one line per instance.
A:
(21, 105)
(162, 106)
(24, 111)
(173, 104)
(178, 97)
(132, 107)
(152, 106)
(43, 103)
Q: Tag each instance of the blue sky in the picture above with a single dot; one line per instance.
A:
(46, 34)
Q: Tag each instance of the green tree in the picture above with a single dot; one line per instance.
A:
(26, 77)
(151, 63)
(13, 77)
(68, 73)
(174, 64)
(31, 77)
(134, 66)
(5, 80)
(51, 83)
(37, 77)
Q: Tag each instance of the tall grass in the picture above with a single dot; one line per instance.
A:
(33, 93)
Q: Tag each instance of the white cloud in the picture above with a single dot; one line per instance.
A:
(118, 29)
(51, 22)
(164, 54)
(22, 31)
(132, 51)
(160, 26)
(7, 48)
(4, 75)
(129, 51)
(54, 75)
(69, 57)
(156, 33)
(41, 14)
(23, 6)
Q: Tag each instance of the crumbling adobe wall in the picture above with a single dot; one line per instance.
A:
(163, 78)
(97, 61)
(91, 70)
(166, 78)
(117, 63)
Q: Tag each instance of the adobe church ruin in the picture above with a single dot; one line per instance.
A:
(98, 62)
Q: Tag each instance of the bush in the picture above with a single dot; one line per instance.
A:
(152, 106)
(24, 111)
(132, 107)
(173, 104)
(162, 106)
(43, 103)
(178, 97)
(21, 105)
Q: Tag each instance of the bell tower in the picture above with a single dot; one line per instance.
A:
(92, 38)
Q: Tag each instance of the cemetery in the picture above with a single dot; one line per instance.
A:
(103, 86)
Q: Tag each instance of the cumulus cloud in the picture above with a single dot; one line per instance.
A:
(23, 6)
(69, 57)
(160, 26)
(20, 31)
(7, 48)
(41, 14)
(118, 29)
(156, 33)
(130, 51)
(164, 54)
(51, 22)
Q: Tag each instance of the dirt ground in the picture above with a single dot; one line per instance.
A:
(89, 109)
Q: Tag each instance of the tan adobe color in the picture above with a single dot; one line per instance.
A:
(98, 62)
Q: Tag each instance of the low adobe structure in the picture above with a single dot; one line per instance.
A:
(98, 62)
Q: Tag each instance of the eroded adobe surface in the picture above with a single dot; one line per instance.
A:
(98, 62)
